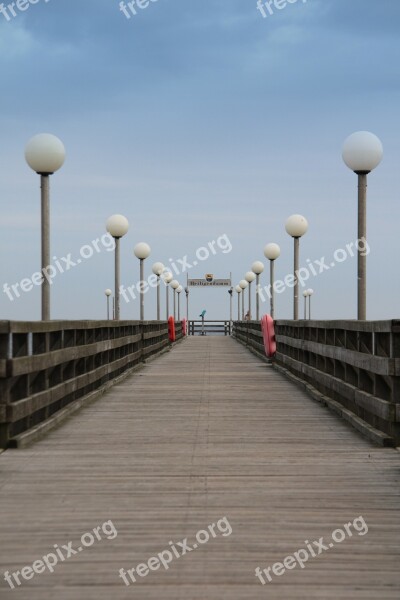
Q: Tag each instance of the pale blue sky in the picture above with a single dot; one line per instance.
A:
(198, 119)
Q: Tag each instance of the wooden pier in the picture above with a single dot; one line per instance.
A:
(202, 432)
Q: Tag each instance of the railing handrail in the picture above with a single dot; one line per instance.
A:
(209, 320)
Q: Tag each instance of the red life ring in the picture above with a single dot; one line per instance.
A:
(171, 329)
(268, 331)
(184, 326)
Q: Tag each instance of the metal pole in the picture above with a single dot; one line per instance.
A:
(167, 300)
(309, 307)
(113, 309)
(117, 278)
(45, 208)
(258, 297)
(231, 307)
(362, 234)
(249, 301)
(158, 297)
(231, 304)
(296, 281)
(272, 283)
(238, 306)
(179, 307)
(175, 305)
(305, 307)
(141, 289)
(242, 294)
(108, 308)
(187, 299)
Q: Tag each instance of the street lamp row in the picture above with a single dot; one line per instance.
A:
(362, 153)
(117, 226)
(45, 154)
(296, 226)
(272, 252)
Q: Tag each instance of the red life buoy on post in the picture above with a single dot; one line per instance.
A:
(184, 324)
(268, 331)
(171, 329)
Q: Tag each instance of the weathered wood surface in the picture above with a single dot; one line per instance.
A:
(203, 432)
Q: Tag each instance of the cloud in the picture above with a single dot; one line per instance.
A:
(196, 118)
(15, 42)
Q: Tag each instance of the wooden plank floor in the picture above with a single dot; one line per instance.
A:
(203, 432)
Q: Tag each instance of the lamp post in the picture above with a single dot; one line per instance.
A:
(250, 277)
(157, 269)
(239, 291)
(187, 308)
(230, 292)
(45, 154)
(305, 295)
(179, 290)
(272, 252)
(142, 251)
(168, 277)
(174, 285)
(296, 226)
(243, 284)
(362, 153)
(257, 268)
(108, 293)
(117, 226)
(309, 294)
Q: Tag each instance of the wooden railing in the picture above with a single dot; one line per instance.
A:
(197, 327)
(47, 369)
(354, 366)
(249, 333)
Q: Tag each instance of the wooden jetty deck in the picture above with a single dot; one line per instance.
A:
(203, 432)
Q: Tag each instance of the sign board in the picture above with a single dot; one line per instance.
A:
(209, 281)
